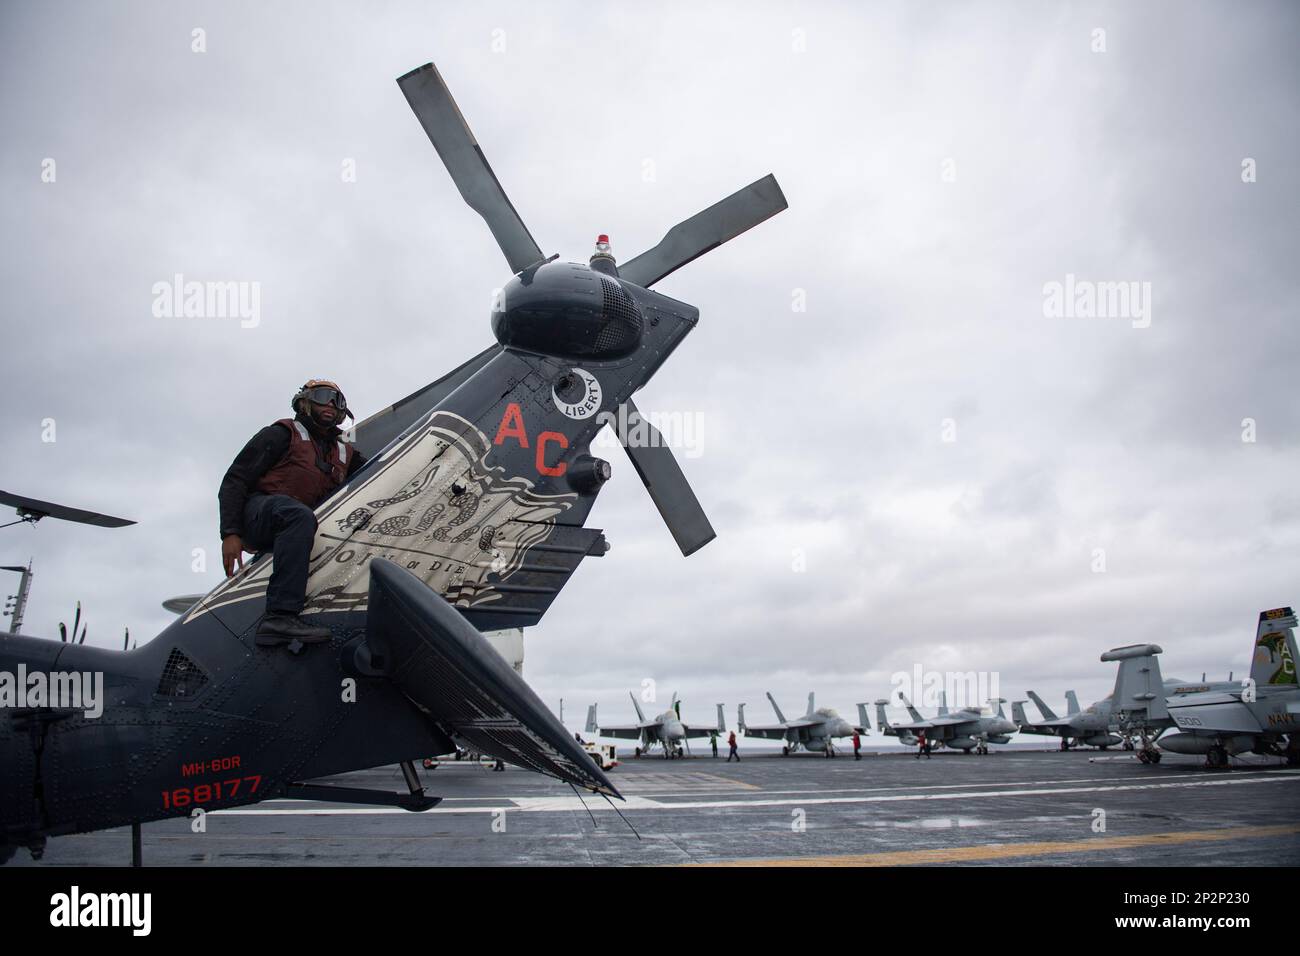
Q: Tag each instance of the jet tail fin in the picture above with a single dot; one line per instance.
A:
(1047, 712)
(740, 718)
(1071, 703)
(780, 717)
(1139, 689)
(913, 712)
(1018, 713)
(943, 703)
(882, 719)
(812, 704)
(448, 670)
(1273, 658)
(722, 721)
(639, 716)
(592, 727)
(863, 722)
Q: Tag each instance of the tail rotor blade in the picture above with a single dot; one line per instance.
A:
(669, 490)
(693, 237)
(451, 137)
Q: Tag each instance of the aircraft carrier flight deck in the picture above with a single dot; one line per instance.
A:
(1013, 806)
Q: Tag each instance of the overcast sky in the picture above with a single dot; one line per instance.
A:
(943, 164)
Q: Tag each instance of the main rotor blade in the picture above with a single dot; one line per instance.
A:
(460, 152)
(35, 508)
(692, 238)
(655, 463)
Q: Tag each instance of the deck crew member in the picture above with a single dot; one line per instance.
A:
(267, 499)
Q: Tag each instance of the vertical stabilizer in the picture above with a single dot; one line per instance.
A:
(780, 717)
(1047, 712)
(1139, 689)
(1018, 713)
(1272, 661)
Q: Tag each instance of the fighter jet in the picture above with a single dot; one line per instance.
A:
(1146, 704)
(667, 729)
(814, 731)
(1260, 715)
(966, 729)
(1090, 727)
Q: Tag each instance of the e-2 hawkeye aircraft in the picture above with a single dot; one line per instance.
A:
(667, 730)
(469, 516)
(1258, 715)
(966, 729)
(1090, 727)
(815, 731)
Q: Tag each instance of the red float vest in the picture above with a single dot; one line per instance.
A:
(305, 473)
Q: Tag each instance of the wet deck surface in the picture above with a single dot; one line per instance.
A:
(1011, 806)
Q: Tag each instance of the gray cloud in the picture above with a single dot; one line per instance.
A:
(924, 303)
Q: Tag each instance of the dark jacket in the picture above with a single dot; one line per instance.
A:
(265, 451)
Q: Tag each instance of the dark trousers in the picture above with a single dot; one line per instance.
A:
(286, 527)
(733, 754)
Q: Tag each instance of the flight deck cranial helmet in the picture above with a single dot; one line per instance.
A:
(322, 392)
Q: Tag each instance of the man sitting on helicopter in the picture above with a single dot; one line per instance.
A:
(267, 499)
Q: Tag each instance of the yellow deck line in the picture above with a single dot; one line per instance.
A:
(1003, 851)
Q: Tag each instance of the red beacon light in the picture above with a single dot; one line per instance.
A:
(602, 260)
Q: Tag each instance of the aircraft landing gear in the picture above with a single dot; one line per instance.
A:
(1216, 758)
(785, 751)
(1128, 744)
(1065, 744)
(636, 751)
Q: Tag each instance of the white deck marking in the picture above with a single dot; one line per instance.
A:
(562, 803)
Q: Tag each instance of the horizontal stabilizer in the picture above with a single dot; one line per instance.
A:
(451, 673)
